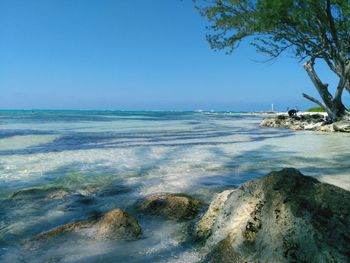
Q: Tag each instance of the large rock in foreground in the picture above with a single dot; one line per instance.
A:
(171, 206)
(283, 217)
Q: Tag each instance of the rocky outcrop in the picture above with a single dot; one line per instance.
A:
(342, 126)
(203, 228)
(115, 224)
(172, 206)
(282, 217)
(312, 122)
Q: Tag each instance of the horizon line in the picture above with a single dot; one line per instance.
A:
(138, 110)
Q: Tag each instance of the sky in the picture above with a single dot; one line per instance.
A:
(134, 55)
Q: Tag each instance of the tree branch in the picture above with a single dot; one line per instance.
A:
(347, 86)
(332, 25)
(315, 101)
(320, 86)
(340, 89)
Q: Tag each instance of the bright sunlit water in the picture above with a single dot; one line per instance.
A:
(110, 159)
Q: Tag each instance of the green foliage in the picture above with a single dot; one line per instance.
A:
(315, 109)
(307, 28)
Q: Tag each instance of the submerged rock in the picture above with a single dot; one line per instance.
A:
(113, 190)
(70, 227)
(102, 190)
(59, 194)
(115, 224)
(40, 192)
(170, 205)
(90, 189)
(282, 217)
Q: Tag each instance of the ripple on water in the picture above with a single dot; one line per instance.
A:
(18, 142)
(112, 159)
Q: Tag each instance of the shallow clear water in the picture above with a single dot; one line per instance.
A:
(109, 159)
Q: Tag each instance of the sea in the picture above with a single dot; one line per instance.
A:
(113, 159)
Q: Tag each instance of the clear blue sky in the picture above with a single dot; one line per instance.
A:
(123, 54)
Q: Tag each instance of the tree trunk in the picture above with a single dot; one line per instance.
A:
(332, 105)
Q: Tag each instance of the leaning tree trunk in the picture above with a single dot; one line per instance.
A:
(332, 105)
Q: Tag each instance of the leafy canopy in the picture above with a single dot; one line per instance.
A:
(308, 28)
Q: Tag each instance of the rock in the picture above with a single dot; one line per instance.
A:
(59, 194)
(40, 192)
(312, 122)
(171, 206)
(203, 228)
(90, 189)
(342, 126)
(70, 227)
(103, 191)
(113, 190)
(115, 224)
(325, 128)
(282, 217)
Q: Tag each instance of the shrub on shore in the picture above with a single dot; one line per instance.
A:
(315, 109)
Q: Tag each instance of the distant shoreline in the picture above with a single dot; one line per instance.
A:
(175, 111)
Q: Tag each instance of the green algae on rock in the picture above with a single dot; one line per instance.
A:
(115, 224)
(48, 192)
(173, 206)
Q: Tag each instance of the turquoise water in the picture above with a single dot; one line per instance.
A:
(109, 159)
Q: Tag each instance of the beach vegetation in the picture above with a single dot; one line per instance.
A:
(315, 109)
(310, 30)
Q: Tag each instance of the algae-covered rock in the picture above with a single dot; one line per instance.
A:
(170, 205)
(282, 217)
(70, 227)
(40, 192)
(115, 224)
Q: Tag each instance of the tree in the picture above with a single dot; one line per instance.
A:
(312, 30)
